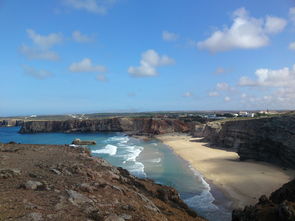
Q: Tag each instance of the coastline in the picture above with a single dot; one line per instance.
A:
(243, 182)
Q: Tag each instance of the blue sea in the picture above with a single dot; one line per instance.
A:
(146, 159)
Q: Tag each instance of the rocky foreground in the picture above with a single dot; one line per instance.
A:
(47, 182)
(280, 206)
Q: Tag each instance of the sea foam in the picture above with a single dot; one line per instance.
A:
(108, 149)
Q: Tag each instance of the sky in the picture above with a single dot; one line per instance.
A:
(89, 56)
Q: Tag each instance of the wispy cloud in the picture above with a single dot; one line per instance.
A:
(169, 36)
(292, 14)
(292, 46)
(41, 46)
(36, 73)
(82, 38)
(227, 99)
(223, 86)
(100, 7)
(246, 32)
(187, 94)
(33, 53)
(85, 65)
(101, 77)
(213, 94)
(150, 60)
(44, 41)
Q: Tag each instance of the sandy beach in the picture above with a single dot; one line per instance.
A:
(243, 182)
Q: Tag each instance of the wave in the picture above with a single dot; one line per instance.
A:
(122, 140)
(156, 160)
(108, 149)
(132, 153)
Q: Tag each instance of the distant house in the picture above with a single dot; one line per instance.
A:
(243, 114)
(246, 114)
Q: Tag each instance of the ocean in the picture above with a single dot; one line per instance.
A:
(142, 158)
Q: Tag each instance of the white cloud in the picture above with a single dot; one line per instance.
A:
(292, 14)
(150, 60)
(187, 94)
(95, 6)
(85, 65)
(227, 99)
(169, 36)
(44, 42)
(245, 33)
(213, 94)
(223, 86)
(292, 46)
(81, 38)
(272, 87)
(101, 77)
(271, 78)
(274, 25)
(42, 45)
(38, 74)
(33, 53)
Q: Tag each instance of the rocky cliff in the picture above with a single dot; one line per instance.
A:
(280, 206)
(141, 126)
(47, 182)
(11, 123)
(270, 139)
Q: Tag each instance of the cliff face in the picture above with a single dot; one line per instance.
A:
(265, 139)
(142, 126)
(47, 182)
(279, 207)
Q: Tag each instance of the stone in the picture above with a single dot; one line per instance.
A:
(55, 171)
(77, 198)
(34, 217)
(85, 187)
(126, 216)
(9, 173)
(113, 217)
(32, 185)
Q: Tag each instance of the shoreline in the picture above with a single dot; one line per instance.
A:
(242, 182)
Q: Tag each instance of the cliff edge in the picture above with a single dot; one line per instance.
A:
(140, 126)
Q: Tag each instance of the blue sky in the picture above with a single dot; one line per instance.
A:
(84, 56)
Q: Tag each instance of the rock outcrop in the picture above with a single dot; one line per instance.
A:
(280, 206)
(139, 126)
(268, 139)
(11, 123)
(47, 182)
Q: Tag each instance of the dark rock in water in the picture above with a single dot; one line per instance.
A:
(279, 207)
(83, 142)
(268, 139)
